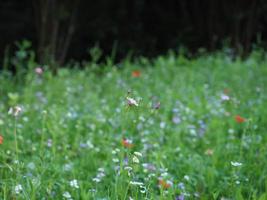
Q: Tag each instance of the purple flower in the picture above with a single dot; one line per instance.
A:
(156, 106)
(181, 186)
(176, 120)
(180, 197)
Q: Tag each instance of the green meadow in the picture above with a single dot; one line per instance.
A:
(171, 127)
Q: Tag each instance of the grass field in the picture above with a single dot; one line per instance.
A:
(168, 128)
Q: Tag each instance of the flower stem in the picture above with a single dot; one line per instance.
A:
(15, 136)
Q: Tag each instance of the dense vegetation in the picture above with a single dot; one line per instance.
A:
(168, 128)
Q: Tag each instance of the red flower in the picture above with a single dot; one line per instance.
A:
(1, 139)
(136, 73)
(239, 119)
(127, 143)
(164, 184)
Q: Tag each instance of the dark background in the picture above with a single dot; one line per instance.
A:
(65, 29)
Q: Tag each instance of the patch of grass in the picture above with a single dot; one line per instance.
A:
(77, 133)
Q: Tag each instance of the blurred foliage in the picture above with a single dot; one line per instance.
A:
(143, 26)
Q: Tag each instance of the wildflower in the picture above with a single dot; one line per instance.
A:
(67, 195)
(131, 102)
(31, 165)
(209, 152)
(38, 70)
(18, 189)
(186, 177)
(113, 152)
(74, 184)
(115, 160)
(176, 120)
(239, 119)
(148, 167)
(93, 190)
(225, 97)
(142, 189)
(180, 197)
(164, 184)
(15, 111)
(100, 175)
(127, 143)
(1, 139)
(181, 186)
(156, 106)
(231, 131)
(136, 183)
(128, 169)
(96, 179)
(138, 154)
(162, 125)
(135, 159)
(68, 167)
(136, 73)
(49, 143)
(101, 169)
(236, 164)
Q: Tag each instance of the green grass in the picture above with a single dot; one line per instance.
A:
(72, 125)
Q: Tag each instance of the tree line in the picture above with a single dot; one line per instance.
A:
(65, 29)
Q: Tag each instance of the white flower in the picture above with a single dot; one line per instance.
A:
(10, 111)
(31, 165)
(113, 152)
(100, 175)
(162, 125)
(68, 167)
(74, 183)
(186, 177)
(236, 164)
(138, 154)
(67, 195)
(115, 160)
(18, 189)
(131, 102)
(164, 174)
(17, 110)
(128, 168)
(101, 169)
(136, 183)
(96, 179)
(142, 189)
(225, 97)
(14, 111)
(135, 159)
(231, 131)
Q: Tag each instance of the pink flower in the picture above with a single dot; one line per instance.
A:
(131, 102)
(38, 70)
